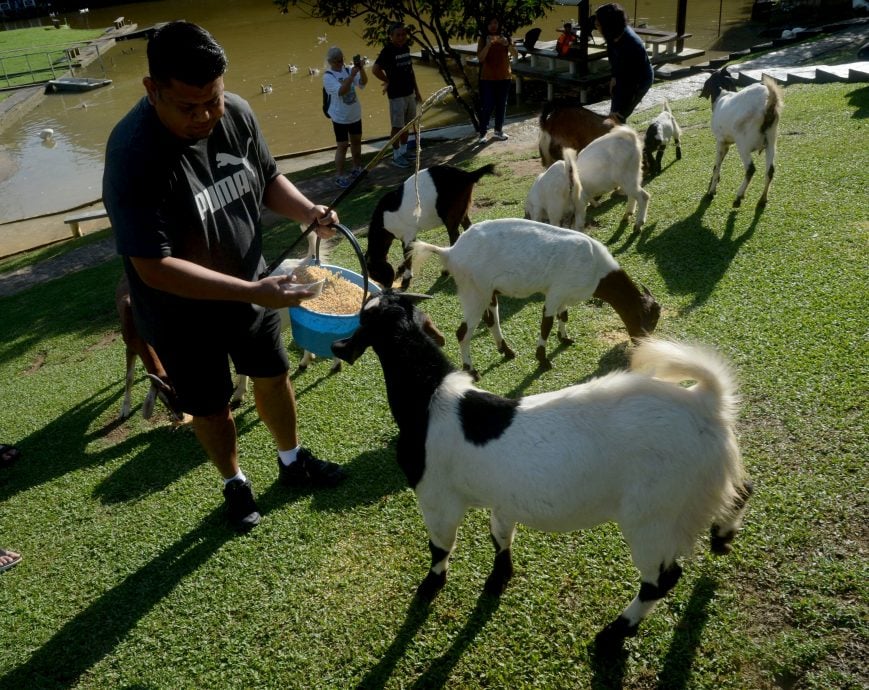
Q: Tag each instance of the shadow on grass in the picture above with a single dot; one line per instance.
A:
(94, 633)
(690, 257)
(859, 100)
(65, 444)
(439, 670)
(416, 615)
(609, 664)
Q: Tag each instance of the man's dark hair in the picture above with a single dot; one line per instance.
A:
(186, 52)
(613, 20)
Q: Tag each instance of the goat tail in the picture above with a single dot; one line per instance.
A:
(666, 107)
(677, 362)
(568, 155)
(774, 102)
(421, 251)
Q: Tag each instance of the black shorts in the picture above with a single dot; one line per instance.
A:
(197, 359)
(342, 132)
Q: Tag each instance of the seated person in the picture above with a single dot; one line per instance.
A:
(565, 40)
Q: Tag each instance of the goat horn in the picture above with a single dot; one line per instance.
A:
(415, 296)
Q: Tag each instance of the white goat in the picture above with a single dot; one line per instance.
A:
(554, 196)
(633, 447)
(748, 119)
(438, 195)
(519, 258)
(658, 134)
(612, 161)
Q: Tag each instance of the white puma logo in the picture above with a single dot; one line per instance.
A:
(224, 159)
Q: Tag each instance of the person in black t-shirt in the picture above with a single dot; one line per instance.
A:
(394, 68)
(187, 172)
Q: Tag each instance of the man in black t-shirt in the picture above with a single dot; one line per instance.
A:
(394, 68)
(187, 173)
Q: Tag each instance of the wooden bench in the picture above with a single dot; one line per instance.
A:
(670, 40)
(73, 221)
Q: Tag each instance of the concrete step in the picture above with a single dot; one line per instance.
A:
(858, 72)
(779, 74)
(748, 77)
(673, 71)
(801, 75)
(827, 74)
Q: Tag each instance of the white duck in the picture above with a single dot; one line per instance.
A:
(266, 88)
(293, 69)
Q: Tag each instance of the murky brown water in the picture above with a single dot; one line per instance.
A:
(260, 44)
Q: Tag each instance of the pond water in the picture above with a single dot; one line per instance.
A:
(38, 177)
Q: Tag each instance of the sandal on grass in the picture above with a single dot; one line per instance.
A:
(8, 559)
(8, 455)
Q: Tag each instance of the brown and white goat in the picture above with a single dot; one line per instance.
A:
(438, 195)
(567, 126)
(519, 258)
(161, 386)
(748, 119)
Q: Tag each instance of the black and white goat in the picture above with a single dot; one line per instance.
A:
(748, 119)
(633, 447)
(438, 195)
(518, 258)
(658, 134)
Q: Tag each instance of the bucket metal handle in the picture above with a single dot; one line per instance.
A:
(359, 255)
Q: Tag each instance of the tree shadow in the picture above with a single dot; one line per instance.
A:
(859, 100)
(691, 258)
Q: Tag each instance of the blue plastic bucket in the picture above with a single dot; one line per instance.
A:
(315, 332)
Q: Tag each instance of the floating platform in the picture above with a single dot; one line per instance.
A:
(74, 84)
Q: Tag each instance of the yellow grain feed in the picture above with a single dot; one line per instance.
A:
(339, 295)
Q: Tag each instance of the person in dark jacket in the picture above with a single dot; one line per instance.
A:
(632, 73)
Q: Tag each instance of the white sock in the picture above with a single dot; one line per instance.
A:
(288, 457)
(238, 476)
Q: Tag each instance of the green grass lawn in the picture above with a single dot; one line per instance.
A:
(28, 54)
(131, 579)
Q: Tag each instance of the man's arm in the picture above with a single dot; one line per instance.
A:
(187, 279)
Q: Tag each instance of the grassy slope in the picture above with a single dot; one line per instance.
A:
(130, 577)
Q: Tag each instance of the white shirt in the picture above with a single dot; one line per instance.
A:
(344, 109)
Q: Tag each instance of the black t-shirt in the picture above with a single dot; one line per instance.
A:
(397, 64)
(197, 201)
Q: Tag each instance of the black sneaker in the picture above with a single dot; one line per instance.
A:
(308, 471)
(241, 509)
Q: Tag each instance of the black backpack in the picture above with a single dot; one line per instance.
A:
(327, 99)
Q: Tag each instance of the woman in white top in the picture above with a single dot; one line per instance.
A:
(345, 110)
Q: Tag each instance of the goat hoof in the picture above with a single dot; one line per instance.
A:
(506, 351)
(495, 585)
(545, 364)
(564, 339)
(234, 404)
(432, 584)
(737, 202)
(761, 203)
(613, 635)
